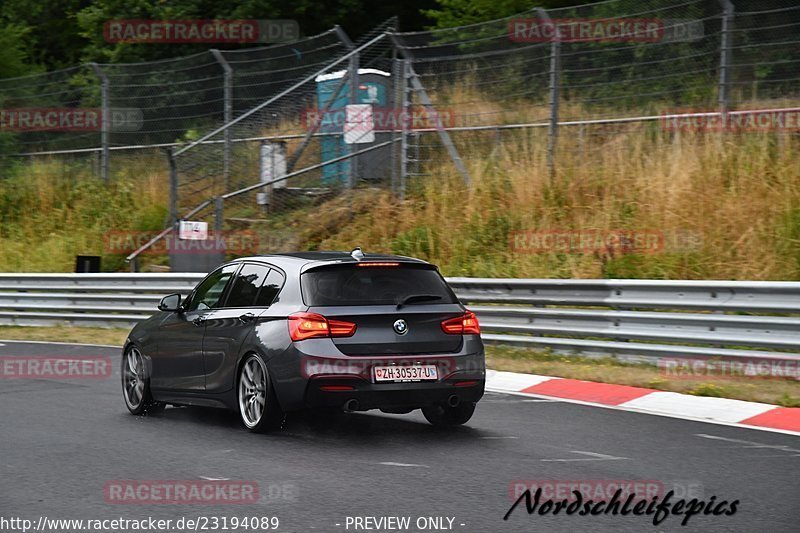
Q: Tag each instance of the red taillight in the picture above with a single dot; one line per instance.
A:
(466, 324)
(340, 328)
(312, 325)
(453, 326)
(307, 326)
(471, 326)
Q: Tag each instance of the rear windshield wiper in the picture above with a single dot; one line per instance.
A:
(413, 298)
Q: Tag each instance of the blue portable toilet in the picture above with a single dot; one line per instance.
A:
(373, 88)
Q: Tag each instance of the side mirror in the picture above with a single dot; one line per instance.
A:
(171, 302)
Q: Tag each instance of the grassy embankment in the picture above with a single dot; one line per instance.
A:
(728, 205)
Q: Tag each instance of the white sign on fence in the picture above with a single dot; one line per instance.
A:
(193, 231)
(273, 163)
(358, 125)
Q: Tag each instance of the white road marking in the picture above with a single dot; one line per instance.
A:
(215, 478)
(389, 463)
(542, 400)
(749, 443)
(592, 457)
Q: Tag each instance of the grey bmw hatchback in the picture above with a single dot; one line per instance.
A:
(273, 334)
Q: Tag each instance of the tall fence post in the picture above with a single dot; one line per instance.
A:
(725, 57)
(105, 120)
(173, 187)
(352, 96)
(396, 97)
(219, 215)
(554, 85)
(406, 103)
(414, 83)
(227, 97)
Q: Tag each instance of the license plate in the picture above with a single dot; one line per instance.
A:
(399, 374)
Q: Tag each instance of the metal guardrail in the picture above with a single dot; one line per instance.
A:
(629, 318)
(104, 300)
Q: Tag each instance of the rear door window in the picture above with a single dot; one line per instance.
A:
(247, 284)
(358, 285)
(270, 288)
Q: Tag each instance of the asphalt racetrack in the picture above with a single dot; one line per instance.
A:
(62, 441)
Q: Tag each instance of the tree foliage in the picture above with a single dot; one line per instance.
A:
(14, 58)
(451, 13)
(63, 33)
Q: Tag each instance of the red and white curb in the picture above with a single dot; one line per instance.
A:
(751, 415)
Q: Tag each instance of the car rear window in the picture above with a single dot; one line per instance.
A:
(354, 285)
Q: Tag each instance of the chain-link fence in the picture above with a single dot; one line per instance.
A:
(600, 70)
(251, 135)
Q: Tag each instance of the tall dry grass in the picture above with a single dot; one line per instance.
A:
(727, 204)
(53, 210)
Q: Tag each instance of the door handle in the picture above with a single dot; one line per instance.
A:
(199, 321)
(247, 317)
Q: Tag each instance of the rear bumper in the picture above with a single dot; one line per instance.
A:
(391, 395)
(301, 373)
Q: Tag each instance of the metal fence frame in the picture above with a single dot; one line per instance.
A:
(632, 319)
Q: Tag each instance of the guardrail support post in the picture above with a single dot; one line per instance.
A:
(105, 120)
(227, 96)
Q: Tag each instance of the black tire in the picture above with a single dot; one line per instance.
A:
(136, 384)
(254, 387)
(444, 415)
